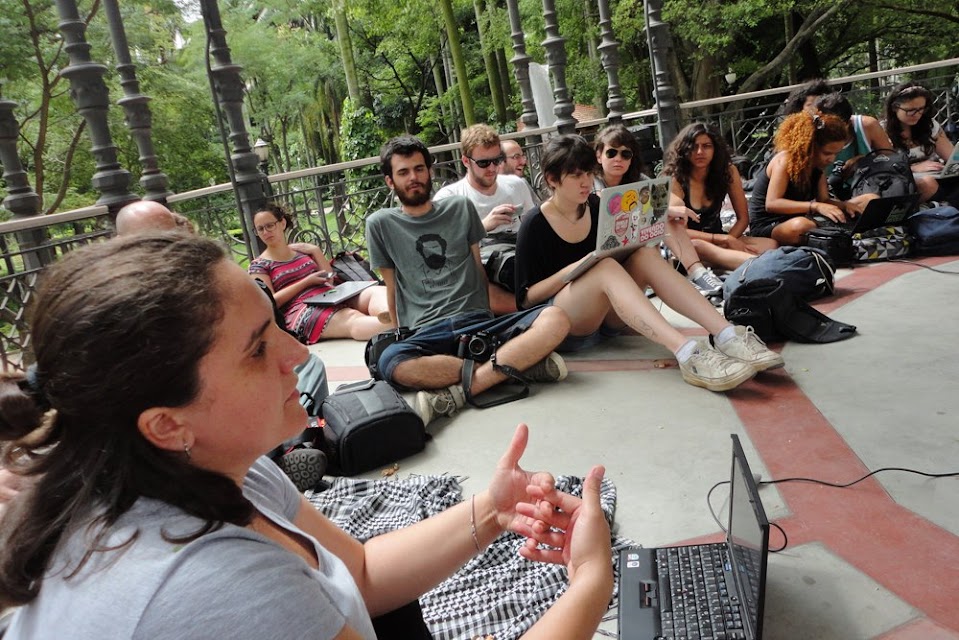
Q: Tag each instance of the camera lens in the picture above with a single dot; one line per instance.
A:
(477, 346)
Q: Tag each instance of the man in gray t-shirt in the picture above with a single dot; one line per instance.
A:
(500, 201)
(428, 255)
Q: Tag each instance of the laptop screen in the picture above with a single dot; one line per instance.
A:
(748, 540)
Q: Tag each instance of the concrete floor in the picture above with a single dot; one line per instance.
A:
(879, 560)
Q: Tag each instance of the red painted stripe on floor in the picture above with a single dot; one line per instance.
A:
(594, 366)
(913, 558)
(865, 278)
(919, 630)
(345, 374)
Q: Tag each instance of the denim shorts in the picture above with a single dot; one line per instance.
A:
(579, 343)
(441, 337)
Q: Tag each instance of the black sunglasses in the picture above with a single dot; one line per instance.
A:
(486, 162)
(612, 153)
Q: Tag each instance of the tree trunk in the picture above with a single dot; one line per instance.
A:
(459, 63)
(489, 60)
(346, 53)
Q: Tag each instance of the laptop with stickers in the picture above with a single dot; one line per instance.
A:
(883, 212)
(630, 216)
(702, 591)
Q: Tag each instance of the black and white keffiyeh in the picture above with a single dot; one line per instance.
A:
(497, 593)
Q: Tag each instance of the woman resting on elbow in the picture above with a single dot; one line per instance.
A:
(555, 237)
(703, 175)
(790, 196)
(293, 277)
(151, 510)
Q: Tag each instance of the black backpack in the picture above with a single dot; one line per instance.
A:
(885, 172)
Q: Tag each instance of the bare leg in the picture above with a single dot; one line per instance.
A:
(927, 187)
(371, 301)
(429, 372)
(721, 257)
(350, 323)
(607, 287)
(679, 242)
(501, 301)
(759, 245)
(791, 231)
(647, 267)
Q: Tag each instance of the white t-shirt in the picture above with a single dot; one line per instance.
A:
(509, 190)
(230, 583)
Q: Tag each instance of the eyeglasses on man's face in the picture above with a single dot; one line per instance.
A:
(912, 112)
(484, 163)
(612, 153)
(264, 228)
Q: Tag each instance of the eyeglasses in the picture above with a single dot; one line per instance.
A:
(269, 226)
(515, 156)
(913, 112)
(612, 153)
(486, 162)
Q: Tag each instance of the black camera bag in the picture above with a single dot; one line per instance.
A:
(378, 344)
(835, 242)
(368, 425)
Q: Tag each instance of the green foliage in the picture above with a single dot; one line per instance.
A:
(359, 135)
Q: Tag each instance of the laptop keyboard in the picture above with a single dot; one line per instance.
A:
(694, 601)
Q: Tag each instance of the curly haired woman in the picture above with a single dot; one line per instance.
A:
(790, 196)
(702, 172)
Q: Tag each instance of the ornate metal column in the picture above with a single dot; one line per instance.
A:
(89, 93)
(556, 59)
(136, 109)
(21, 199)
(657, 34)
(520, 62)
(228, 87)
(609, 53)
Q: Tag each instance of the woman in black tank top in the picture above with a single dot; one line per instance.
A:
(791, 197)
(699, 162)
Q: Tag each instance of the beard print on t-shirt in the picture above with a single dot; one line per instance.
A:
(432, 248)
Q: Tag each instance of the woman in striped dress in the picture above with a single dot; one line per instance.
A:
(294, 276)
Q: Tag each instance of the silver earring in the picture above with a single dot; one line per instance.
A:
(186, 449)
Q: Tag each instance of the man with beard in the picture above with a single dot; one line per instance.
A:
(428, 255)
(499, 199)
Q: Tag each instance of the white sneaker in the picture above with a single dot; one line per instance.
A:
(749, 348)
(713, 370)
(439, 402)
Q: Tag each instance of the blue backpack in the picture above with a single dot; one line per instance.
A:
(936, 231)
(805, 272)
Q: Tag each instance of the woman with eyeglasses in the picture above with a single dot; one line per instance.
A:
(790, 196)
(911, 127)
(617, 152)
(698, 161)
(555, 237)
(293, 277)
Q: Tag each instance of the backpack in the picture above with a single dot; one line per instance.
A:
(885, 172)
(351, 266)
(936, 231)
(882, 243)
(499, 260)
(835, 242)
(804, 271)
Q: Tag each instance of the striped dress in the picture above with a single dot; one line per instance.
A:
(307, 321)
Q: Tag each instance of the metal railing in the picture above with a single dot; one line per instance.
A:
(329, 204)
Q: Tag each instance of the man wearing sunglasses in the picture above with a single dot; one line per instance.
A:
(500, 200)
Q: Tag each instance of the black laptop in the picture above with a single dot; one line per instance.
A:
(703, 592)
(883, 212)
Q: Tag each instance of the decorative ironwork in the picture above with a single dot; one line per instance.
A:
(555, 46)
(90, 95)
(520, 62)
(136, 108)
(657, 34)
(609, 54)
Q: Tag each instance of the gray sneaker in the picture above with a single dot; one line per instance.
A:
(439, 402)
(749, 348)
(552, 368)
(714, 370)
(708, 284)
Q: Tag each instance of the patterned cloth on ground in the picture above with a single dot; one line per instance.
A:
(497, 593)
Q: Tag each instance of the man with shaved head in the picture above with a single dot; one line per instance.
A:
(146, 215)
